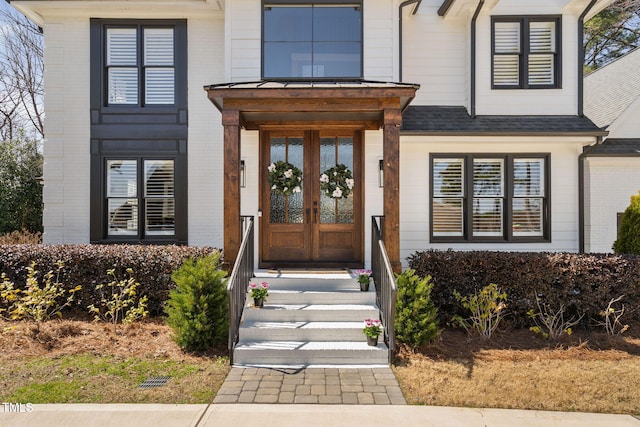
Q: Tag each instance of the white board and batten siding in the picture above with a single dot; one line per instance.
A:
(67, 129)
(435, 55)
(415, 180)
(609, 184)
(562, 101)
(205, 153)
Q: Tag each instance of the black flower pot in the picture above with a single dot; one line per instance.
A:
(258, 302)
(364, 287)
(372, 341)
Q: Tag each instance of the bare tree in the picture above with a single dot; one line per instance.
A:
(21, 72)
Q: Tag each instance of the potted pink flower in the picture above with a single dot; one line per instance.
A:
(364, 278)
(372, 329)
(259, 293)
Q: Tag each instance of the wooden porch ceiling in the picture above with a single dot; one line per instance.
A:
(284, 104)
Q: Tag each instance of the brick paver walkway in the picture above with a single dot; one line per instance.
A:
(366, 386)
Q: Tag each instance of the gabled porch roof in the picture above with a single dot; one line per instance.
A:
(358, 104)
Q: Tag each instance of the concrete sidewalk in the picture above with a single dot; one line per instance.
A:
(152, 415)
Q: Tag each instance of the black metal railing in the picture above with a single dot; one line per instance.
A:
(239, 283)
(385, 282)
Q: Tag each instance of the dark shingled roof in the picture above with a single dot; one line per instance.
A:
(427, 120)
(617, 147)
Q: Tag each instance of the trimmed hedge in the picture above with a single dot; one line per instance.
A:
(584, 283)
(87, 265)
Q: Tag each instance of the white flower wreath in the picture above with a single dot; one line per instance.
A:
(337, 182)
(284, 178)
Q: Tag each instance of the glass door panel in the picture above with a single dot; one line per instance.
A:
(287, 209)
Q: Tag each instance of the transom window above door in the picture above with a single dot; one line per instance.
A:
(311, 40)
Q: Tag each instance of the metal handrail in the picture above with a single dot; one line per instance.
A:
(385, 282)
(239, 283)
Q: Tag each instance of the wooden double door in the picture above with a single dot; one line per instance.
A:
(311, 228)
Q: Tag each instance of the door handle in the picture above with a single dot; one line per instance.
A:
(315, 211)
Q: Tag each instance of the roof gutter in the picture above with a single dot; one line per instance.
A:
(413, 12)
(444, 8)
(473, 59)
(581, 202)
(581, 54)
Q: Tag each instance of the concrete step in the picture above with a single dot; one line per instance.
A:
(310, 313)
(310, 320)
(280, 297)
(314, 283)
(302, 331)
(301, 353)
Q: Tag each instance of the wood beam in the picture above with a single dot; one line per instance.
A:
(391, 154)
(312, 124)
(232, 223)
(305, 104)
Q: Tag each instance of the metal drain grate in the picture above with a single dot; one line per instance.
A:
(154, 382)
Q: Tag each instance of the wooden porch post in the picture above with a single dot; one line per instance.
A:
(232, 225)
(391, 150)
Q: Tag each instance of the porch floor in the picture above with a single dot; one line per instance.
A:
(364, 386)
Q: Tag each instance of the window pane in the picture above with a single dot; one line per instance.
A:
(507, 37)
(312, 41)
(121, 46)
(528, 177)
(336, 211)
(121, 178)
(158, 46)
(123, 86)
(159, 85)
(159, 201)
(488, 177)
(541, 70)
(542, 37)
(336, 59)
(448, 189)
(123, 217)
(448, 177)
(506, 70)
(158, 178)
(287, 59)
(336, 23)
(487, 217)
(447, 217)
(527, 216)
(287, 209)
(287, 23)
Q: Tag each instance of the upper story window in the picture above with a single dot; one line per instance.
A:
(526, 52)
(140, 65)
(312, 40)
(490, 198)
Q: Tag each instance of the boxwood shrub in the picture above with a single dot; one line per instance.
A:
(87, 265)
(584, 283)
